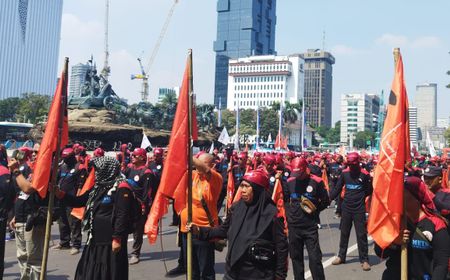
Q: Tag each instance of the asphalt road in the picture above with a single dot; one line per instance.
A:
(152, 266)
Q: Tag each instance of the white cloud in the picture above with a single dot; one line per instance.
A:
(392, 40)
(426, 42)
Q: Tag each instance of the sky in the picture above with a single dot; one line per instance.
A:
(360, 34)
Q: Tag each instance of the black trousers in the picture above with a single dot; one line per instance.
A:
(138, 236)
(299, 238)
(203, 258)
(69, 229)
(359, 220)
(3, 222)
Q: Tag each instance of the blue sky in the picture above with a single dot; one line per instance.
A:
(360, 34)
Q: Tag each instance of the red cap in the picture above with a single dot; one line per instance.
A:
(67, 152)
(242, 155)
(269, 160)
(99, 152)
(257, 177)
(353, 158)
(298, 166)
(139, 152)
(158, 152)
(123, 147)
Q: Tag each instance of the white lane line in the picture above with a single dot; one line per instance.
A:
(328, 262)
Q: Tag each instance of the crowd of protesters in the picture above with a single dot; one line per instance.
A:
(259, 238)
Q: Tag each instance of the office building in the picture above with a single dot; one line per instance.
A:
(29, 38)
(264, 80)
(318, 87)
(77, 78)
(162, 92)
(356, 115)
(376, 103)
(413, 130)
(425, 100)
(244, 28)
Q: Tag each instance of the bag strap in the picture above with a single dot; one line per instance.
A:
(419, 232)
(205, 207)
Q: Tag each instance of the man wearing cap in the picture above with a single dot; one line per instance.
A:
(206, 187)
(7, 195)
(141, 180)
(358, 185)
(304, 197)
(239, 168)
(334, 172)
(432, 176)
(123, 156)
(70, 179)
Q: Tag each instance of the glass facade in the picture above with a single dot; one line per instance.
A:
(244, 28)
(29, 46)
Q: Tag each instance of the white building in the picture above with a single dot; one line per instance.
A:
(77, 78)
(264, 80)
(356, 115)
(413, 133)
(425, 100)
(29, 46)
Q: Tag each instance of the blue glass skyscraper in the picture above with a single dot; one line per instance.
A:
(244, 28)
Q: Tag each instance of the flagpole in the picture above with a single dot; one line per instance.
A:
(219, 113)
(302, 140)
(404, 247)
(190, 143)
(52, 183)
(236, 140)
(257, 124)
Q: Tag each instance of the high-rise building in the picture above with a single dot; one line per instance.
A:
(413, 131)
(356, 115)
(77, 78)
(375, 110)
(318, 87)
(165, 91)
(244, 28)
(29, 46)
(425, 100)
(265, 80)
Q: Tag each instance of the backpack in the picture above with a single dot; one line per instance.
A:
(135, 211)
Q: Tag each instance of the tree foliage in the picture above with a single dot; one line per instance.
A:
(31, 107)
(362, 137)
(447, 135)
(330, 135)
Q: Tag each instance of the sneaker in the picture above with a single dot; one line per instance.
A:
(177, 271)
(365, 266)
(337, 261)
(134, 260)
(60, 247)
(74, 251)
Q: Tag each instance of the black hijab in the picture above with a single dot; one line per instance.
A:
(249, 221)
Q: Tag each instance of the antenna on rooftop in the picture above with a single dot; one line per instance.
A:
(323, 40)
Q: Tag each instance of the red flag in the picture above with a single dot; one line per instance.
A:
(88, 184)
(277, 197)
(387, 198)
(445, 179)
(230, 189)
(325, 180)
(174, 178)
(58, 110)
(278, 141)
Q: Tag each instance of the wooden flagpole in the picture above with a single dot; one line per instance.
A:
(404, 247)
(53, 182)
(190, 143)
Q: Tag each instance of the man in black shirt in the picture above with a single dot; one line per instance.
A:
(302, 217)
(358, 185)
(70, 179)
(7, 195)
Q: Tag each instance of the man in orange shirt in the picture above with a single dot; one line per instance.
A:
(206, 186)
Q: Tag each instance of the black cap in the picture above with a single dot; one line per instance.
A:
(432, 171)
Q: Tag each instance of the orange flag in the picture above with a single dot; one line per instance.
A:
(230, 189)
(174, 178)
(88, 184)
(277, 197)
(278, 141)
(325, 180)
(387, 198)
(445, 178)
(58, 111)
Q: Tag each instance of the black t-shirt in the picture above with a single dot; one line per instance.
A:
(7, 192)
(358, 185)
(312, 188)
(428, 252)
(70, 179)
(25, 203)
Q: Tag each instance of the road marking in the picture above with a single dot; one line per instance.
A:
(328, 262)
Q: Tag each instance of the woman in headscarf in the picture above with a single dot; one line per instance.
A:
(257, 244)
(426, 235)
(106, 221)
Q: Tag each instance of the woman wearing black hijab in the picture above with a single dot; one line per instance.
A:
(106, 221)
(257, 244)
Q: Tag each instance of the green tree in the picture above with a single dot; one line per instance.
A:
(362, 137)
(268, 123)
(33, 107)
(229, 121)
(447, 136)
(8, 108)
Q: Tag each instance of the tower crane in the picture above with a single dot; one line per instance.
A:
(144, 72)
(106, 68)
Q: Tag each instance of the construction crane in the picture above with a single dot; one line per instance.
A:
(106, 68)
(144, 72)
